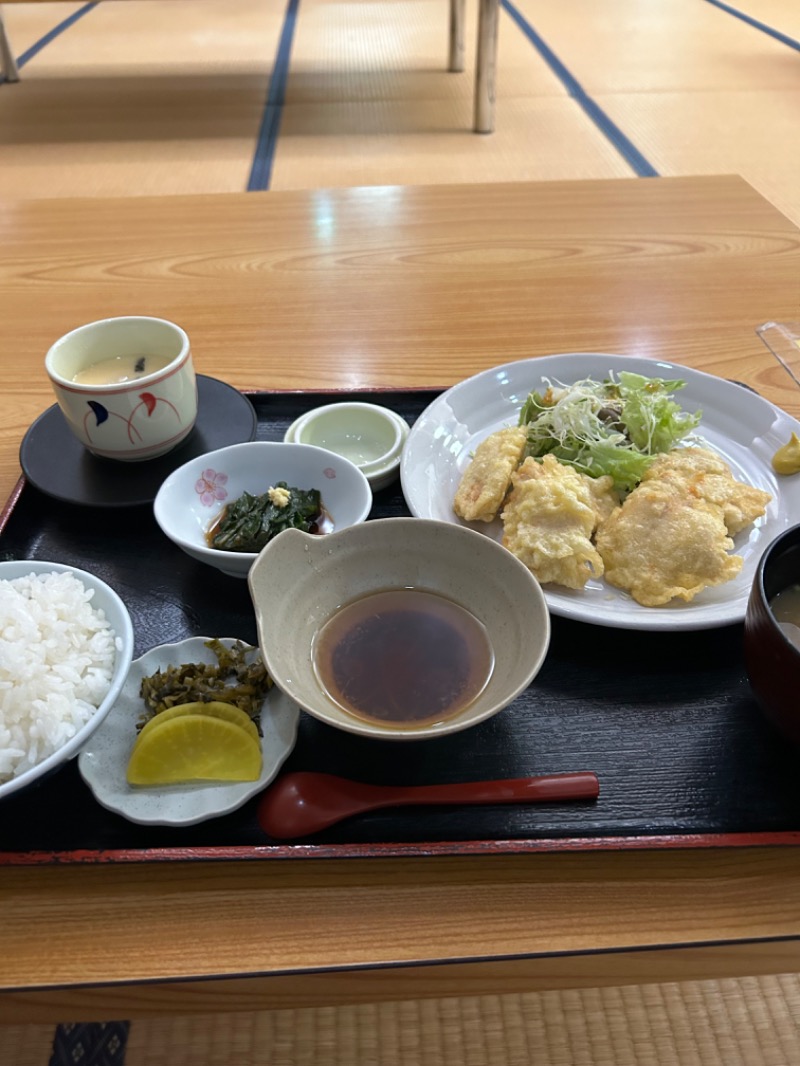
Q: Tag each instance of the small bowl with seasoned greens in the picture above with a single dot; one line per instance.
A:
(224, 507)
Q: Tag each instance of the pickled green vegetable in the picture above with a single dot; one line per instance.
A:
(236, 678)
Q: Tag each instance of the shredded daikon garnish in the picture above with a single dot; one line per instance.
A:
(613, 427)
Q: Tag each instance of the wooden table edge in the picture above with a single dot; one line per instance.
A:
(434, 979)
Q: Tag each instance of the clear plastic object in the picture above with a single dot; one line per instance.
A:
(783, 340)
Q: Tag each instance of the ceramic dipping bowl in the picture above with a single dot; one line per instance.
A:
(772, 651)
(299, 583)
(367, 434)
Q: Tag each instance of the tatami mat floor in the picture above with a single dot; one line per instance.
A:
(168, 97)
(726, 1023)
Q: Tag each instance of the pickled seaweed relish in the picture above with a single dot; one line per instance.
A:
(250, 522)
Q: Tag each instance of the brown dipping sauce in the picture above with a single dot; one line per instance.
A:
(323, 525)
(403, 658)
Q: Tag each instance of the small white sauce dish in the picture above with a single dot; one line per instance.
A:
(367, 434)
(193, 496)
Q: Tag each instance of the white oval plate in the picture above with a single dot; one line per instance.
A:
(742, 427)
(104, 760)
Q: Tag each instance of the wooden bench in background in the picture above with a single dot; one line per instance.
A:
(485, 60)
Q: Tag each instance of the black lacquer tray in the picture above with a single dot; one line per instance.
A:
(666, 720)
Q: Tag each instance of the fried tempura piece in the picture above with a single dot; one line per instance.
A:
(548, 521)
(665, 544)
(605, 498)
(704, 475)
(486, 480)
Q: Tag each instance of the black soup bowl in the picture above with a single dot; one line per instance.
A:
(771, 658)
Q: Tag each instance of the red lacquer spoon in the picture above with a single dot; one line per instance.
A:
(303, 803)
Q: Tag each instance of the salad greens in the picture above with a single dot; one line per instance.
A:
(249, 522)
(614, 427)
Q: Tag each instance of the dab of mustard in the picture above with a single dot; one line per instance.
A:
(786, 459)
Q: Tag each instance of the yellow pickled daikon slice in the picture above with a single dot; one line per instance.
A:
(194, 747)
(215, 708)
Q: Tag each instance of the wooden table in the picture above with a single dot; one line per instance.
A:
(396, 287)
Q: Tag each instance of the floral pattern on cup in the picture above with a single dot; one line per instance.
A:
(146, 400)
(210, 487)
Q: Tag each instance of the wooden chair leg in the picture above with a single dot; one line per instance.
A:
(456, 57)
(8, 64)
(486, 65)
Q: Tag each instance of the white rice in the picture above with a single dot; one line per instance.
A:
(57, 657)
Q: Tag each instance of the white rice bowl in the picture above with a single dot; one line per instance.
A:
(66, 644)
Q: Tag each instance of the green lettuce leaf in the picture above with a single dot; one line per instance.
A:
(653, 420)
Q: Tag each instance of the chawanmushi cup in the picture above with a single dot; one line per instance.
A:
(134, 418)
(771, 658)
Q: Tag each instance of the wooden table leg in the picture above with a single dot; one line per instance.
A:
(456, 57)
(486, 65)
(8, 64)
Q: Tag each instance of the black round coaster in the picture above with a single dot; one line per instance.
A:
(55, 462)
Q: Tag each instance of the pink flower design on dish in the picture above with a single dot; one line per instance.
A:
(210, 487)
(329, 472)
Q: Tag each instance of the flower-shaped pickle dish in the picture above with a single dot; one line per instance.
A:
(103, 761)
(742, 427)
